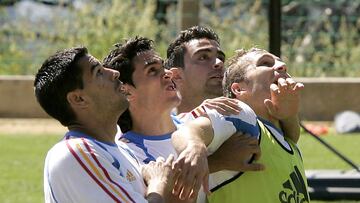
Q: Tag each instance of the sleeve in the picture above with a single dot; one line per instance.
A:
(225, 126)
(77, 172)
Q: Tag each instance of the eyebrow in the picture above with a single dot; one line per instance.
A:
(93, 66)
(152, 62)
(219, 52)
(202, 50)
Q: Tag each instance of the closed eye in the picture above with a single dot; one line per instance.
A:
(266, 60)
(267, 63)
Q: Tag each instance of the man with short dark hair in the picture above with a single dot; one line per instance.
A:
(196, 57)
(196, 61)
(87, 166)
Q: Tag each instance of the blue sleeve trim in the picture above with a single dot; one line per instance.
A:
(176, 120)
(242, 126)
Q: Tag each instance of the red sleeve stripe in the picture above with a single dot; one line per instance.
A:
(89, 172)
(194, 114)
(104, 170)
(198, 111)
(204, 110)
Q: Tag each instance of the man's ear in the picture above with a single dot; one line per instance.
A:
(77, 99)
(239, 89)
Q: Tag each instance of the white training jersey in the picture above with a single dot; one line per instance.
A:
(148, 148)
(82, 169)
(224, 127)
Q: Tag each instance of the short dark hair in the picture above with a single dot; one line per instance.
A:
(121, 59)
(238, 66)
(58, 75)
(176, 50)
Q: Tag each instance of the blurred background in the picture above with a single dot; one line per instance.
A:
(318, 38)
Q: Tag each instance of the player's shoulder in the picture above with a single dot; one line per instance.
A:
(69, 149)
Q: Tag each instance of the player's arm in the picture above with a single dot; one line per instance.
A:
(284, 105)
(190, 142)
(291, 128)
(192, 139)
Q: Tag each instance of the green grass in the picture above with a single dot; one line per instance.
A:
(21, 171)
(317, 156)
(22, 161)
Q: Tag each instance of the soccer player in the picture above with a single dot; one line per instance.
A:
(197, 63)
(152, 95)
(86, 165)
(260, 79)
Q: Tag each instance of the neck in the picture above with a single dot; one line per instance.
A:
(190, 102)
(151, 122)
(263, 113)
(103, 129)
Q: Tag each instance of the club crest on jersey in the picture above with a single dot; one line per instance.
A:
(129, 176)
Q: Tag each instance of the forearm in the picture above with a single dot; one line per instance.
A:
(291, 128)
(196, 132)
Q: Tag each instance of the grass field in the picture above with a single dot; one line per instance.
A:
(22, 159)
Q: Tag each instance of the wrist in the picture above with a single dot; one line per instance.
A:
(159, 187)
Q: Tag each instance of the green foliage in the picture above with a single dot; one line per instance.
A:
(96, 26)
(325, 53)
(243, 26)
(325, 50)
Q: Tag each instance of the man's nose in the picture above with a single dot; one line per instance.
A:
(219, 64)
(168, 74)
(114, 73)
(280, 67)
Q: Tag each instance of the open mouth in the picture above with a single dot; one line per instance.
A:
(220, 77)
(172, 86)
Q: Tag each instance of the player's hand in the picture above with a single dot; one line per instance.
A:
(159, 175)
(285, 98)
(223, 105)
(234, 154)
(192, 172)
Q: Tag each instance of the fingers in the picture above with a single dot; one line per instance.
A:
(257, 152)
(288, 84)
(299, 86)
(223, 105)
(170, 160)
(188, 185)
(254, 167)
(160, 159)
(205, 185)
(282, 84)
